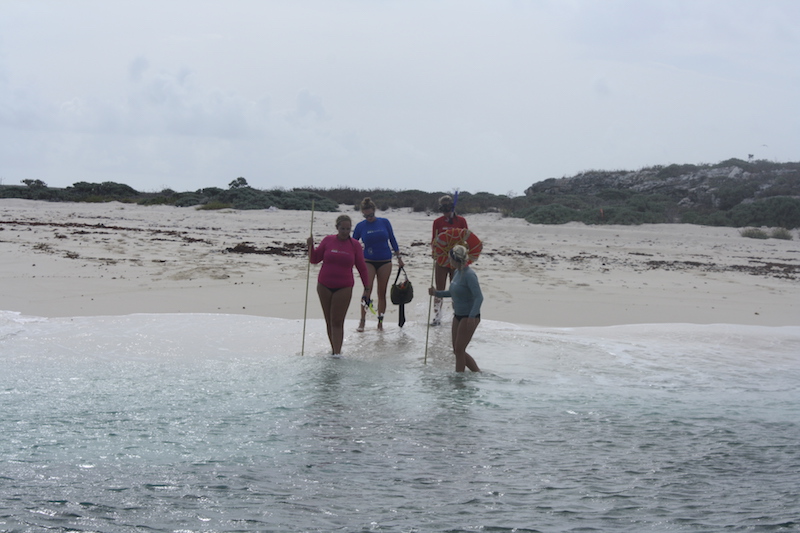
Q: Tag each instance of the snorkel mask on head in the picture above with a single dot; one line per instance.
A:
(447, 204)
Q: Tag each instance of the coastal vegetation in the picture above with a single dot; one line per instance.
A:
(734, 193)
(758, 233)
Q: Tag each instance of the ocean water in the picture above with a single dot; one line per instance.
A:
(184, 423)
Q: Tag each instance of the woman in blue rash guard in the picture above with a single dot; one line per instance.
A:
(378, 237)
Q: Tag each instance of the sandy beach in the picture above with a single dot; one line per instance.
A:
(69, 259)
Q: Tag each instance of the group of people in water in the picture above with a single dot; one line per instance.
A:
(340, 252)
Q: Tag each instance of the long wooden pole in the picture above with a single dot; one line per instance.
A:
(430, 303)
(308, 277)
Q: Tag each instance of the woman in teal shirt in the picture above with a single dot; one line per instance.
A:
(467, 299)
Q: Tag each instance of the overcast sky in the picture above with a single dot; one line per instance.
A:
(489, 95)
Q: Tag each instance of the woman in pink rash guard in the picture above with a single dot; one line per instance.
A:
(338, 254)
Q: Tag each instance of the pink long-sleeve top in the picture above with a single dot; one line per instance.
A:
(338, 258)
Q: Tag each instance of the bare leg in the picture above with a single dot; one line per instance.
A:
(462, 332)
(383, 275)
(334, 307)
(371, 277)
(437, 312)
(441, 275)
(325, 298)
(340, 301)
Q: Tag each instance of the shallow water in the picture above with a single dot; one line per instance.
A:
(217, 423)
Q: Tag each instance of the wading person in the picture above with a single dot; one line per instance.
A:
(467, 299)
(378, 237)
(449, 219)
(338, 254)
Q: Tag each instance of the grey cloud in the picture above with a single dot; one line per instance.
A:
(171, 103)
(601, 87)
(423, 94)
(309, 106)
(23, 108)
(137, 68)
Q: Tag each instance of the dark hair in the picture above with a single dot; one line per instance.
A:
(342, 218)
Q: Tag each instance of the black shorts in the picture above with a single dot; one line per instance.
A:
(333, 290)
(379, 264)
(459, 317)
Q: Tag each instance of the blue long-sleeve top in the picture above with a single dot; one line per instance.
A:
(465, 292)
(376, 236)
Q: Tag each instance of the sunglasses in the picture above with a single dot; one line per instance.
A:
(446, 208)
(369, 215)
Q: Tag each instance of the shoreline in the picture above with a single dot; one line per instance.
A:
(66, 259)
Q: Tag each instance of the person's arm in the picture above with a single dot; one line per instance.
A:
(315, 255)
(439, 294)
(361, 265)
(393, 242)
(436, 227)
(477, 294)
(392, 239)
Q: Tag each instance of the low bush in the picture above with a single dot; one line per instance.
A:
(551, 214)
(781, 233)
(754, 233)
(214, 205)
(754, 194)
(776, 211)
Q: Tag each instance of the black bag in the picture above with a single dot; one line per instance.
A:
(401, 294)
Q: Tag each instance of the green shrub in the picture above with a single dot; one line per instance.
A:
(781, 233)
(733, 162)
(615, 195)
(787, 184)
(624, 216)
(156, 200)
(673, 171)
(766, 195)
(108, 189)
(754, 233)
(705, 218)
(777, 211)
(732, 194)
(214, 205)
(189, 199)
(551, 214)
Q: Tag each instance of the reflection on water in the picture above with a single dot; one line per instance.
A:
(209, 422)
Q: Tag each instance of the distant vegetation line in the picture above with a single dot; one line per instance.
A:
(733, 193)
